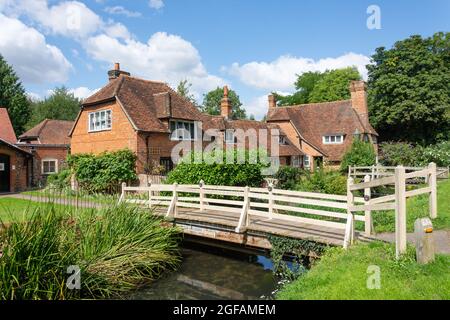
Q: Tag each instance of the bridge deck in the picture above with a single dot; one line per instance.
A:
(257, 225)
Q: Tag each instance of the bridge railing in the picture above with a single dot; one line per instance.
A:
(379, 171)
(324, 210)
(396, 201)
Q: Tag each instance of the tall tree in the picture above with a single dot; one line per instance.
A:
(211, 103)
(330, 85)
(409, 92)
(60, 105)
(184, 90)
(13, 97)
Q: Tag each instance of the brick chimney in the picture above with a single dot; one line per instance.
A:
(225, 105)
(358, 91)
(116, 72)
(272, 101)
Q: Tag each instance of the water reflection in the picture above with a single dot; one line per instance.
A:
(215, 274)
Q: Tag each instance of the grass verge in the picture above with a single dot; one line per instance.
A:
(343, 275)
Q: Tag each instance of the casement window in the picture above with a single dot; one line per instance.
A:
(282, 140)
(296, 161)
(182, 130)
(100, 120)
(306, 161)
(49, 166)
(333, 139)
(167, 164)
(229, 137)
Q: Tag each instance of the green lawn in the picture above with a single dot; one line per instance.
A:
(342, 274)
(417, 207)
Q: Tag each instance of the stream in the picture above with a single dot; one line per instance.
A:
(209, 273)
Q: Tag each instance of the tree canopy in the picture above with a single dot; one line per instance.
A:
(331, 85)
(211, 103)
(184, 90)
(13, 97)
(409, 92)
(61, 105)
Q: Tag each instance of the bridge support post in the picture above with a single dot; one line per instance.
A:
(122, 196)
(202, 195)
(433, 186)
(149, 195)
(271, 202)
(350, 227)
(400, 211)
(172, 211)
(367, 213)
(243, 219)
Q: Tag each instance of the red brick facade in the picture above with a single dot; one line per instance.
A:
(19, 167)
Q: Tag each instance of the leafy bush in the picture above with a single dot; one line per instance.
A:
(360, 154)
(226, 174)
(59, 180)
(104, 172)
(401, 153)
(288, 177)
(331, 182)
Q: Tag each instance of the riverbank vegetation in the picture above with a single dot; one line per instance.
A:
(343, 274)
(117, 249)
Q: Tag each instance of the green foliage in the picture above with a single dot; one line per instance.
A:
(331, 182)
(211, 103)
(343, 274)
(184, 90)
(406, 154)
(409, 95)
(115, 253)
(330, 85)
(288, 177)
(104, 172)
(61, 105)
(225, 174)
(13, 98)
(60, 180)
(360, 154)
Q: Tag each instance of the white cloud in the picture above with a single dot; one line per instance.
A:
(83, 92)
(258, 106)
(156, 4)
(118, 31)
(33, 59)
(122, 11)
(281, 73)
(164, 57)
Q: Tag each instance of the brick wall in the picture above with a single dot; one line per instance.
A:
(18, 168)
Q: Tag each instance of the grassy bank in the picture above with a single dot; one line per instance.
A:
(417, 207)
(343, 275)
(116, 253)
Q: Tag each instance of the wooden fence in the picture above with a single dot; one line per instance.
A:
(396, 201)
(379, 171)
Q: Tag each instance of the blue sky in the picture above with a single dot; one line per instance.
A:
(253, 46)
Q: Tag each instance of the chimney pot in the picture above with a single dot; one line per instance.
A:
(225, 105)
(117, 66)
(116, 72)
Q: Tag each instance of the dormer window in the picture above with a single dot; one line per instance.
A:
(333, 139)
(182, 130)
(282, 140)
(100, 120)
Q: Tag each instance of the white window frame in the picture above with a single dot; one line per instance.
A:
(181, 124)
(306, 161)
(49, 160)
(97, 114)
(332, 139)
(296, 161)
(229, 136)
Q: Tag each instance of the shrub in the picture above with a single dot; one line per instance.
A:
(226, 174)
(360, 154)
(104, 172)
(288, 177)
(59, 180)
(331, 182)
(401, 153)
(439, 154)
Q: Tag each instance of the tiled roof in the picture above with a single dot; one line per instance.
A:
(15, 147)
(6, 128)
(141, 101)
(313, 121)
(50, 132)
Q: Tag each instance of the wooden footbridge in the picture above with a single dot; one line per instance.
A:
(247, 216)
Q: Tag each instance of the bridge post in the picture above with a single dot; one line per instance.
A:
(243, 220)
(350, 227)
(172, 211)
(202, 195)
(122, 196)
(400, 211)
(367, 213)
(150, 195)
(270, 188)
(433, 194)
